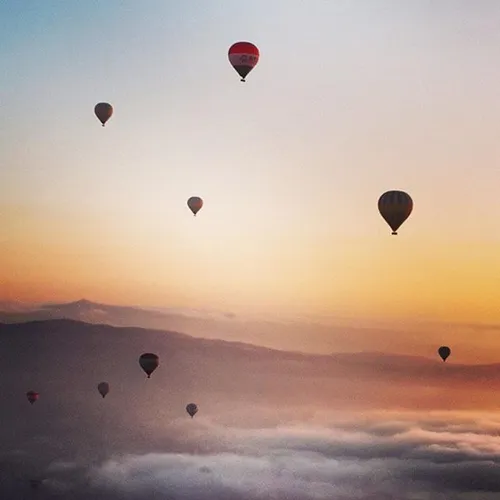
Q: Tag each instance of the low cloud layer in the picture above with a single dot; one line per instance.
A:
(372, 457)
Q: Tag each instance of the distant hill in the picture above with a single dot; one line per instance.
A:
(294, 336)
(90, 312)
(197, 323)
(299, 335)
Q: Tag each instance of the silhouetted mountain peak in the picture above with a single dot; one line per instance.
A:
(85, 302)
(78, 304)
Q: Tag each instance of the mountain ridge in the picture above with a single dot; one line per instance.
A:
(301, 336)
(373, 356)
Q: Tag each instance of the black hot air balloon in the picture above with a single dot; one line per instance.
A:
(35, 483)
(192, 409)
(444, 351)
(395, 207)
(149, 362)
(195, 203)
(103, 389)
(103, 111)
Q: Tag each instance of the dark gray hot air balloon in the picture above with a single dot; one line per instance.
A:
(149, 362)
(192, 409)
(444, 351)
(395, 207)
(103, 389)
(103, 111)
(195, 203)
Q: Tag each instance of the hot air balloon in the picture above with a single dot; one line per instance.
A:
(195, 203)
(103, 111)
(192, 409)
(32, 396)
(149, 362)
(103, 388)
(35, 483)
(444, 352)
(243, 56)
(395, 207)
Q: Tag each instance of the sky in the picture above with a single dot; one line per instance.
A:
(348, 100)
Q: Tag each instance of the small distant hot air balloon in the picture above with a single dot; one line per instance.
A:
(243, 56)
(32, 396)
(192, 409)
(103, 388)
(395, 207)
(103, 111)
(444, 351)
(35, 483)
(195, 203)
(149, 362)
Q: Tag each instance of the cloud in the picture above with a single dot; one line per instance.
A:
(229, 475)
(389, 456)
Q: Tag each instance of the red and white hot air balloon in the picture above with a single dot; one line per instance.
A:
(243, 56)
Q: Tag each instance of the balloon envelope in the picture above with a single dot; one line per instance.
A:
(32, 396)
(195, 203)
(103, 111)
(192, 409)
(149, 362)
(395, 207)
(35, 483)
(243, 57)
(103, 388)
(444, 352)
